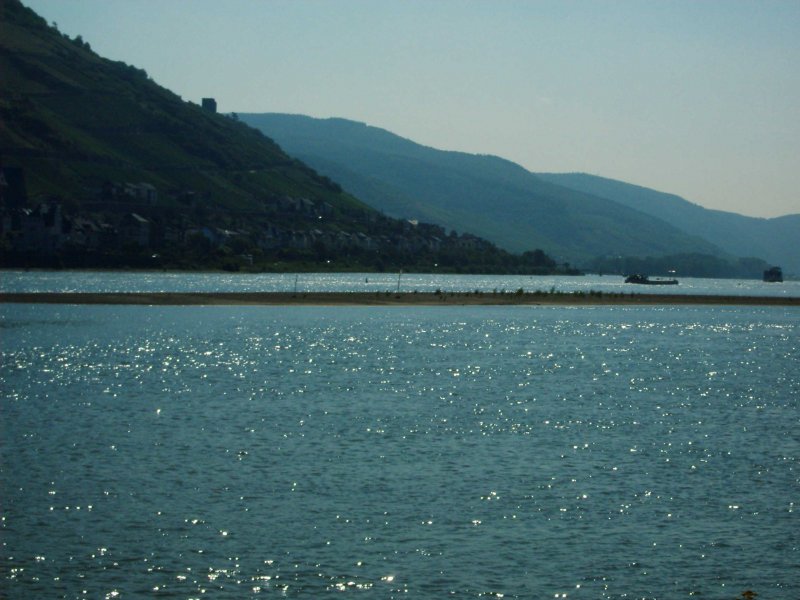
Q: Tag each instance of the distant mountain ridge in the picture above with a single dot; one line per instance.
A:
(776, 240)
(116, 164)
(485, 195)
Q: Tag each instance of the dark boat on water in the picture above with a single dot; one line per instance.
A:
(645, 280)
(773, 275)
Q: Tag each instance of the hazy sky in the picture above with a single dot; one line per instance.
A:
(700, 98)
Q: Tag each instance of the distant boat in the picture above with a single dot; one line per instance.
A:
(645, 280)
(773, 275)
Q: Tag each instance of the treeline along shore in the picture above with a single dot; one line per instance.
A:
(438, 298)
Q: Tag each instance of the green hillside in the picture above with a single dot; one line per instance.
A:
(72, 119)
(100, 166)
(776, 240)
(485, 195)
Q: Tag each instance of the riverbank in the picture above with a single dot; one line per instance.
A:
(389, 298)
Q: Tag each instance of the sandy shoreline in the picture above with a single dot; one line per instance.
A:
(387, 299)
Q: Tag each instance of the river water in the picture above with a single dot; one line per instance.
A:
(99, 281)
(386, 452)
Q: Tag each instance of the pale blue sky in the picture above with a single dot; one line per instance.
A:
(700, 98)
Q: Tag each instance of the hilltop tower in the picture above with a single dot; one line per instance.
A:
(209, 104)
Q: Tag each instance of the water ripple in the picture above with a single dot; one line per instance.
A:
(313, 452)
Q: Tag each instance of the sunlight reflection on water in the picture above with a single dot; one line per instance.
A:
(530, 452)
(92, 281)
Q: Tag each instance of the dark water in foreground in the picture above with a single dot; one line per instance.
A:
(222, 452)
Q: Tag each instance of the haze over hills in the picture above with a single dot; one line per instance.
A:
(486, 195)
(776, 240)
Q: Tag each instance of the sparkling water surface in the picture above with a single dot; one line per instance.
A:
(386, 452)
(102, 281)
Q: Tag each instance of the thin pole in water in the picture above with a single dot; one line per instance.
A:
(295, 283)
(398, 280)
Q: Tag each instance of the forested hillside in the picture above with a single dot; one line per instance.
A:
(103, 167)
(776, 240)
(485, 195)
